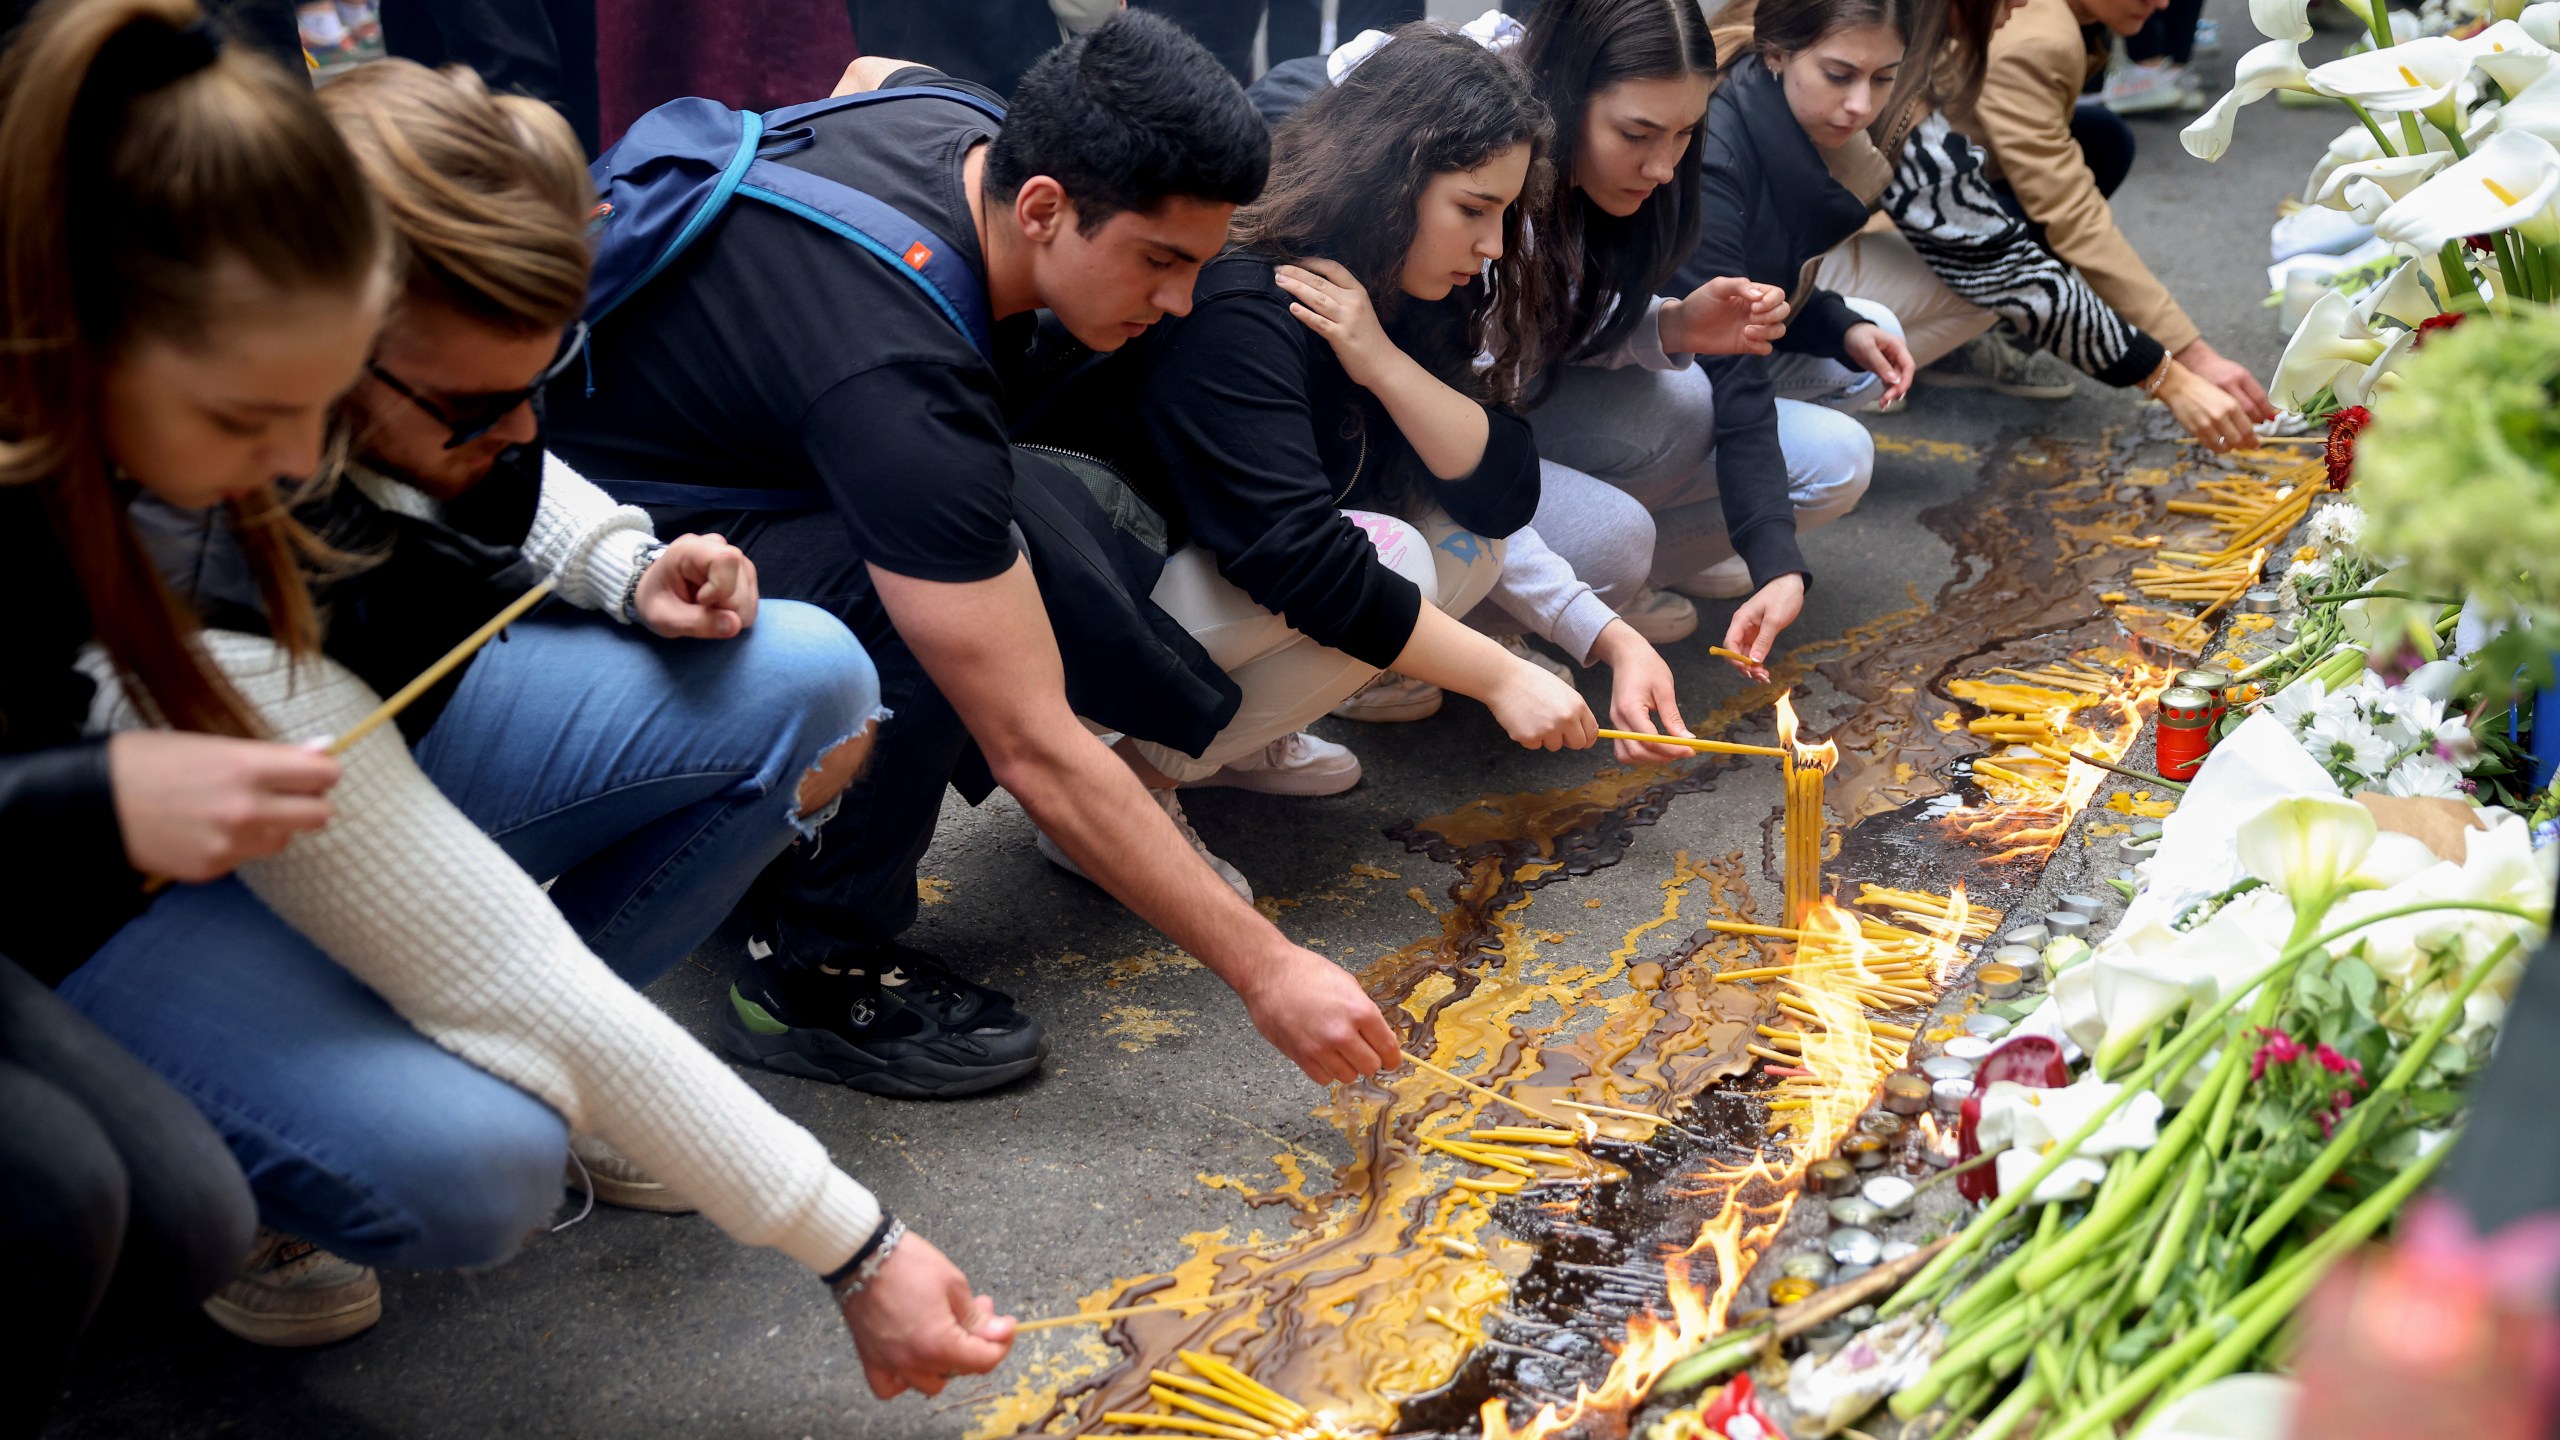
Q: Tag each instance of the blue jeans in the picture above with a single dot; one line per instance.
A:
(654, 779)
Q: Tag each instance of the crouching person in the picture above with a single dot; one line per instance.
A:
(648, 750)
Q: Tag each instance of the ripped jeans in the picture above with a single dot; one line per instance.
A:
(653, 778)
(1290, 681)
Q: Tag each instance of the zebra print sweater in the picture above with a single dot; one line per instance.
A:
(1944, 205)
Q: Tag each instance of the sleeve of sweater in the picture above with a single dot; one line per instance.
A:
(414, 901)
(2028, 88)
(1821, 328)
(586, 541)
(1642, 346)
(1539, 589)
(67, 885)
(1942, 202)
(1751, 471)
(1224, 406)
(1500, 495)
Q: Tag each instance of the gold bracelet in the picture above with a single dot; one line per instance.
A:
(2158, 377)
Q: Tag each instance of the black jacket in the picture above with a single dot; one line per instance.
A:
(1767, 208)
(1250, 439)
(64, 883)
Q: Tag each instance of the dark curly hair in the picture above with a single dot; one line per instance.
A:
(1347, 176)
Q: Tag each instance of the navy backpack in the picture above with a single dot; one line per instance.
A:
(681, 165)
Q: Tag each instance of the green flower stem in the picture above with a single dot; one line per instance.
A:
(2012, 1325)
(2172, 1246)
(2201, 1031)
(2377, 23)
(2378, 137)
(2453, 133)
(2344, 595)
(2009, 1413)
(2112, 1213)
(2360, 1115)
(2457, 273)
(1962, 1407)
(1732, 1352)
(2254, 1313)
(2415, 137)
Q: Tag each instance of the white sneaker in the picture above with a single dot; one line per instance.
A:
(1661, 616)
(1520, 650)
(1300, 764)
(615, 1179)
(1391, 699)
(1172, 804)
(1728, 579)
(2143, 89)
(292, 1293)
(1990, 362)
(2208, 38)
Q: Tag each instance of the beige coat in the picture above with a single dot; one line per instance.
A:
(2039, 62)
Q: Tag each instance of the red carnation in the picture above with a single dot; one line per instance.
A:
(2433, 323)
(2341, 452)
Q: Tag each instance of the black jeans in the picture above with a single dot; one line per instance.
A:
(1227, 27)
(2171, 33)
(2106, 144)
(110, 1185)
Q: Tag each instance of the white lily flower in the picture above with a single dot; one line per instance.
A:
(2499, 865)
(2542, 22)
(2148, 972)
(2074, 1002)
(2368, 187)
(2402, 297)
(2507, 54)
(2359, 389)
(2276, 65)
(2394, 858)
(2306, 845)
(2024, 1117)
(2418, 75)
(2509, 181)
(2282, 19)
(2330, 344)
(2070, 1180)
(2353, 144)
(2535, 110)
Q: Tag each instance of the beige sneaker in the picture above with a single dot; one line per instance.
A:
(598, 1169)
(1661, 616)
(1727, 579)
(1391, 699)
(1056, 855)
(292, 1293)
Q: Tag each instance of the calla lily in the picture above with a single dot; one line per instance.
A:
(2368, 187)
(2353, 144)
(2507, 54)
(2024, 1117)
(2542, 22)
(2330, 344)
(2282, 19)
(2070, 1180)
(2276, 65)
(2421, 75)
(2361, 387)
(2148, 973)
(2074, 1005)
(2536, 109)
(2508, 182)
(2306, 846)
(2402, 297)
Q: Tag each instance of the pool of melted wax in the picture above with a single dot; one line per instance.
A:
(1340, 1317)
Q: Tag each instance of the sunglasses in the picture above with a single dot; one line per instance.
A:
(471, 416)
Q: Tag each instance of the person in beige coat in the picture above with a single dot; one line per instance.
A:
(2037, 67)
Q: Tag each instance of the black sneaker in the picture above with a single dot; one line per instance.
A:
(882, 1018)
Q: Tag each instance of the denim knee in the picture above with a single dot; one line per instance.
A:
(808, 665)
(452, 1188)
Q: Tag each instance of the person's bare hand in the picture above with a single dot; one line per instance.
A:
(1757, 625)
(1881, 353)
(1315, 1012)
(193, 807)
(1329, 300)
(2229, 376)
(1640, 688)
(1541, 712)
(916, 1325)
(1728, 315)
(701, 587)
(2212, 414)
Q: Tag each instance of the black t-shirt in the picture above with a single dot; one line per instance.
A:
(776, 355)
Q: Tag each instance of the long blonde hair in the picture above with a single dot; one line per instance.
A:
(138, 153)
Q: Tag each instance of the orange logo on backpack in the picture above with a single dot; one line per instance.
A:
(918, 256)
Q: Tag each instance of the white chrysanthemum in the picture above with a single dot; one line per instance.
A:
(2294, 705)
(2338, 523)
(2424, 776)
(2347, 743)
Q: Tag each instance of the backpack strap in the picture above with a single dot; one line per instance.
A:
(897, 239)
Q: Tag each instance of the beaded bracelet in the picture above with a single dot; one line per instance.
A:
(2158, 377)
(855, 1275)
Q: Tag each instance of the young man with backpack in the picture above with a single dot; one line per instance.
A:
(808, 328)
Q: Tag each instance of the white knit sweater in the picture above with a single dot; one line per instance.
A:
(407, 894)
(581, 538)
